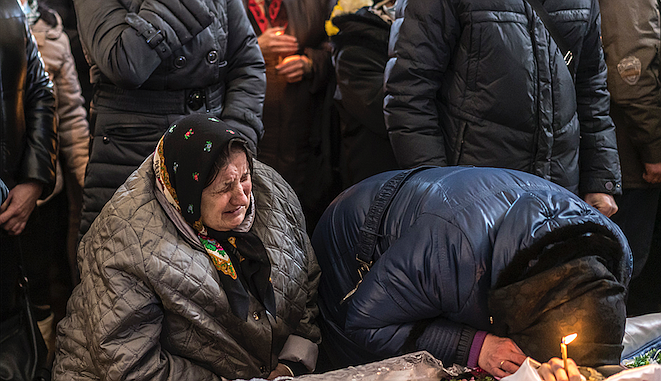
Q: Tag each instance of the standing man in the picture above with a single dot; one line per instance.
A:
(153, 61)
(483, 83)
(632, 39)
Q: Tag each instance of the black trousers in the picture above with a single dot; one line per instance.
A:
(639, 218)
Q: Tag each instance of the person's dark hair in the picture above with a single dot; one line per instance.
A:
(224, 157)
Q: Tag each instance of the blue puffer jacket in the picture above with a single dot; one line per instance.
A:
(445, 238)
(481, 82)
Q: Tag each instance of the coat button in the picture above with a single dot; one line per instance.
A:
(106, 140)
(212, 57)
(255, 315)
(180, 62)
(609, 185)
(195, 100)
(262, 369)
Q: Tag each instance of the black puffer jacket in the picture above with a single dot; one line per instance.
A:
(142, 85)
(28, 138)
(482, 83)
(360, 53)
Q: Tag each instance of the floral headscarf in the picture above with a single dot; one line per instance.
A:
(183, 162)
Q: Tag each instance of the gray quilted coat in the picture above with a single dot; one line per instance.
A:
(150, 305)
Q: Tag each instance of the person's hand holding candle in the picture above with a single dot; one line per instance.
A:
(294, 67)
(556, 370)
(275, 44)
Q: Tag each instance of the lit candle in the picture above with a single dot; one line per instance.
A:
(563, 347)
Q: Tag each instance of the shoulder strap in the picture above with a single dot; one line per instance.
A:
(369, 232)
(555, 34)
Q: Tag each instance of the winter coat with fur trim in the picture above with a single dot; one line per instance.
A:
(444, 240)
(150, 305)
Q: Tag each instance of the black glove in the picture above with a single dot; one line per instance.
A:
(186, 18)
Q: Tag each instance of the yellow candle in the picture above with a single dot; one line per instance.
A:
(563, 347)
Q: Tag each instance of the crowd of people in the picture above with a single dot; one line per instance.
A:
(264, 188)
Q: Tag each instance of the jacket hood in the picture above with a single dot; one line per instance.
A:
(572, 280)
(49, 26)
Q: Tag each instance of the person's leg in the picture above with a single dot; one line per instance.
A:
(9, 260)
(639, 216)
(636, 217)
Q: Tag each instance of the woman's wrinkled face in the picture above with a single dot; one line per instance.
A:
(225, 201)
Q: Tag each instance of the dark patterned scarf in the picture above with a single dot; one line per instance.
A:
(183, 161)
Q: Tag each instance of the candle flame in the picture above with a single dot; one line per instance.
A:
(569, 338)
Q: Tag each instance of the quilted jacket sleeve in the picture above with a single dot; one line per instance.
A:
(122, 315)
(599, 161)
(421, 43)
(302, 345)
(73, 128)
(404, 302)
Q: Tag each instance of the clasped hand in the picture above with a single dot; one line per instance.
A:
(274, 44)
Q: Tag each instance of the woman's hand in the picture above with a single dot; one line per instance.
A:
(500, 356)
(294, 68)
(16, 210)
(280, 370)
(274, 43)
(553, 370)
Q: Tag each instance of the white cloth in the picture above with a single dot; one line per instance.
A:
(527, 372)
(639, 331)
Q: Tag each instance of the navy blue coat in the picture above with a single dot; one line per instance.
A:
(446, 236)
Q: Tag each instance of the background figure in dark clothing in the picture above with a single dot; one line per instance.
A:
(154, 61)
(298, 115)
(360, 53)
(478, 82)
(52, 269)
(631, 36)
(27, 115)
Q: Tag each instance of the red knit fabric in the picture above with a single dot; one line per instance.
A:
(256, 10)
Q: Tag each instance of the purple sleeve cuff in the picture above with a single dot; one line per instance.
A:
(476, 347)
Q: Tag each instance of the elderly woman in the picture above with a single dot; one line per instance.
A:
(198, 268)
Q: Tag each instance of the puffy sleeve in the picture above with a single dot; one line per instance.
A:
(73, 128)
(127, 47)
(598, 157)
(422, 39)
